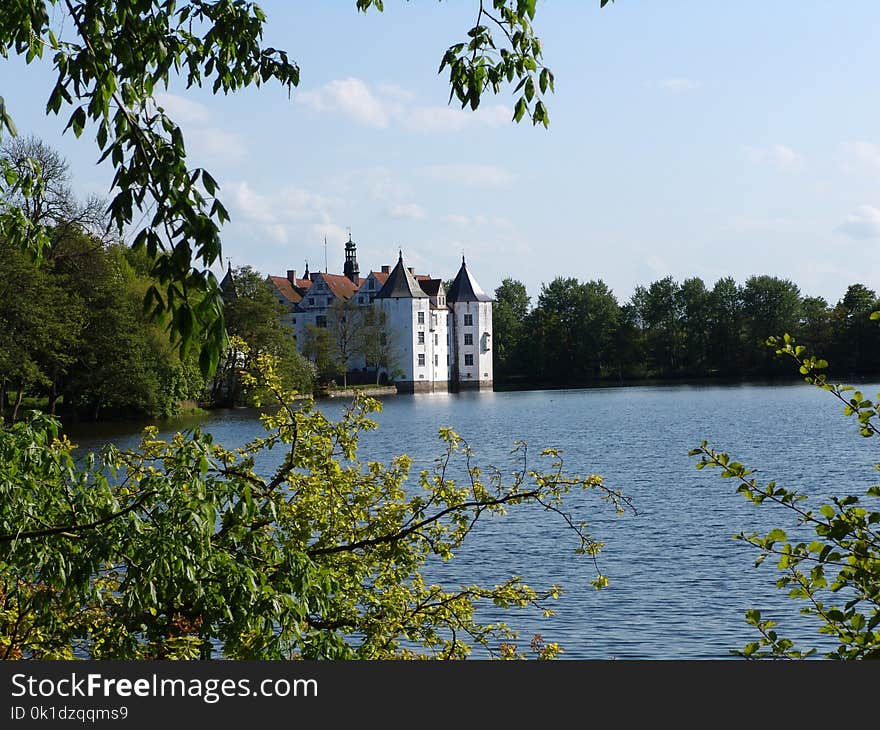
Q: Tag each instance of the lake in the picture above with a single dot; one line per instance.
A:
(679, 583)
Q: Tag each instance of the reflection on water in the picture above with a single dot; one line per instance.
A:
(679, 582)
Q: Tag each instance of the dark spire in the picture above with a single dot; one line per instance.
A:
(465, 288)
(351, 270)
(401, 284)
(227, 285)
(306, 274)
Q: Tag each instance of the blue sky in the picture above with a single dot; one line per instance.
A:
(705, 138)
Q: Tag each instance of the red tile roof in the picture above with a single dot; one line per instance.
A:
(285, 288)
(379, 276)
(341, 286)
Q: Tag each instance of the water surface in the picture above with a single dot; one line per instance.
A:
(679, 583)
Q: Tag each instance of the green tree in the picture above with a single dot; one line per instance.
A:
(628, 348)
(320, 348)
(41, 324)
(377, 342)
(598, 314)
(695, 307)
(815, 328)
(856, 348)
(186, 549)
(556, 336)
(253, 317)
(661, 313)
(119, 361)
(509, 335)
(769, 304)
(344, 325)
(725, 327)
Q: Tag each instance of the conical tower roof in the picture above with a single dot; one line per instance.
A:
(227, 285)
(401, 284)
(465, 288)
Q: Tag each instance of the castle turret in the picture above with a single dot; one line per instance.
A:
(471, 332)
(351, 270)
(419, 349)
(227, 285)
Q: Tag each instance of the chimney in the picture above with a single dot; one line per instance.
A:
(386, 269)
(291, 276)
(411, 270)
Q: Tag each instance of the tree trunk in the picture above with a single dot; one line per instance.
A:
(53, 398)
(18, 400)
(2, 401)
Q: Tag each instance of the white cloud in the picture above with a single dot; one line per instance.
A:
(469, 173)
(388, 104)
(217, 144)
(778, 155)
(456, 219)
(182, 110)
(449, 119)
(349, 96)
(746, 224)
(862, 223)
(408, 210)
(205, 141)
(279, 212)
(395, 92)
(861, 155)
(332, 231)
(678, 85)
(380, 183)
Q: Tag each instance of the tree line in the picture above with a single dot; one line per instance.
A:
(75, 337)
(578, 331)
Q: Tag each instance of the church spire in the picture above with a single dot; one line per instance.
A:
(351, 269)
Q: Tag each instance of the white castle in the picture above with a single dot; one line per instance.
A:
(442, 340)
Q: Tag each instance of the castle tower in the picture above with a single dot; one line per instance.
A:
(351, 270)
(470, 332)
(408, 313)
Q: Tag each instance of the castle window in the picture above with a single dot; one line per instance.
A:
(436, 339)
(468, 359)
(421, 338)
(311, 301)
(421, 318)
(360, 300)
(320, 321)
(468, 320)
(372, 284)
(468, 338)
(433, 320)
(436, 360)
(421, 359)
